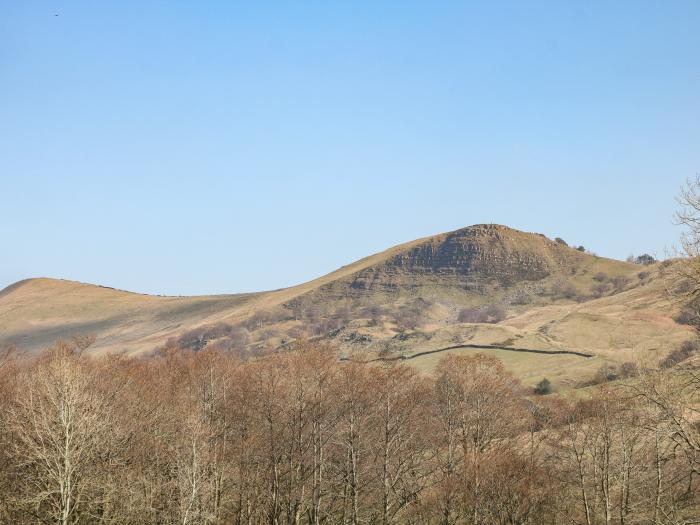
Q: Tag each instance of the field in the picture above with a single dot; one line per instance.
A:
(562, 370)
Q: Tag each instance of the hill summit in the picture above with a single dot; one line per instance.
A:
(475, 264)
(477, 254)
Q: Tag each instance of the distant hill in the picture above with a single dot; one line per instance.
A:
(485, 284)
(35, 312)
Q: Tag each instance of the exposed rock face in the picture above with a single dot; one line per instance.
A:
(488, 250)
(476, 259)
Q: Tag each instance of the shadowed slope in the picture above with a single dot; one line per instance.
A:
(35, 312)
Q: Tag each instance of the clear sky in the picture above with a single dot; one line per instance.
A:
(185, 147)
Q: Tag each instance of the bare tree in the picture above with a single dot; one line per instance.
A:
(399, 445)
(688, 216)
(63, 431)
(299, 437)
(486, 410)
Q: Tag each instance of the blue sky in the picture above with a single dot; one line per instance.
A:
(197, 147)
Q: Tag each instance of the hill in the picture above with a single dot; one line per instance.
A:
(481, 285)
(35, 312)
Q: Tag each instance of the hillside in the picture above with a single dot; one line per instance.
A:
(35, 312)
(485, 284)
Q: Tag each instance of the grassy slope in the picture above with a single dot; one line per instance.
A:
(629, 326)
(632, 326)
(36, 312)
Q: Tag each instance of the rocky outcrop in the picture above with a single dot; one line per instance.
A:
(476, 260)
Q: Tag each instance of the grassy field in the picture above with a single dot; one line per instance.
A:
(562, 370)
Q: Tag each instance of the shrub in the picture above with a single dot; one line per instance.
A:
(686, 350)
(601, 289)
(543, 388)
(373, 312)
(269, 333)
(521, 297)
(223, 336)
(561, 241)
(611, 372)
(198, 338)
(256, 320)
(628, 369)
(620, 283)
(471, 315)
(408, 320)
(343, 314)
(686, 316)
(410, 316)
(495, 313)
(683, 286)
(581, 248)
(296, 333)
(324, 326)
(569, 292)
(489, 314)
(689, 314)
(564, 291)
(600, 277)
(645, 259)
(606, 373)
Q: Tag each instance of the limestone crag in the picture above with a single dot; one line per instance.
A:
(475, 260)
